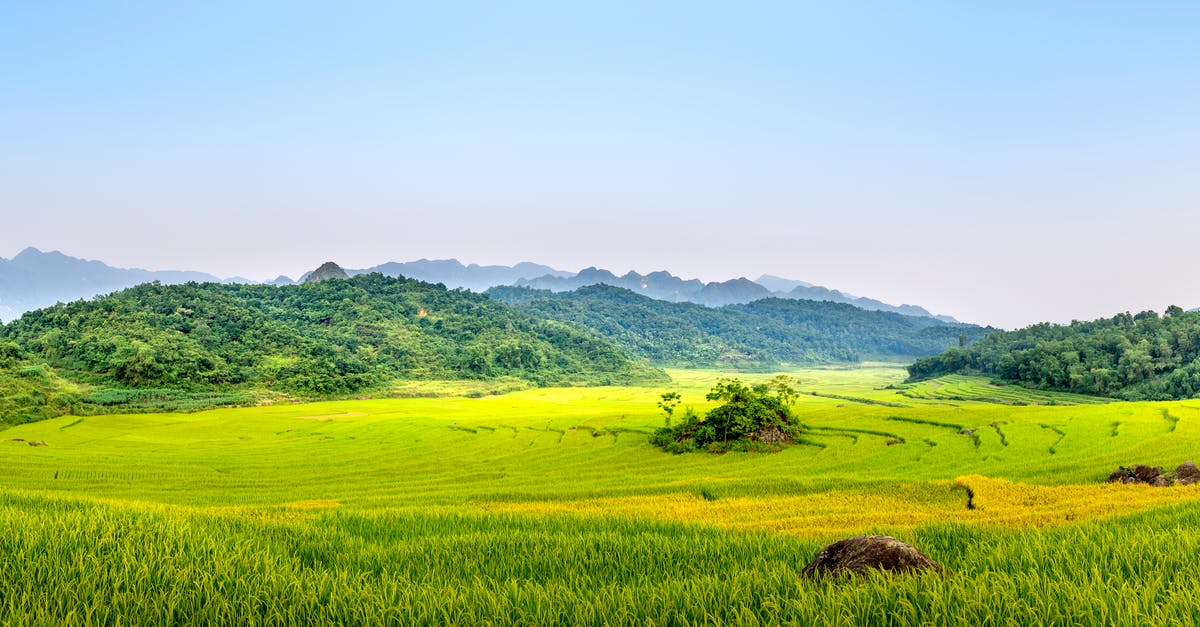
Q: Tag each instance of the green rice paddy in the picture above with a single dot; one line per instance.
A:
(548, 506)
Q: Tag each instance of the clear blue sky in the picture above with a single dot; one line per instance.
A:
(1004, 163)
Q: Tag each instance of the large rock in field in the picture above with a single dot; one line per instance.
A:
(859, 554)
(1187, 474)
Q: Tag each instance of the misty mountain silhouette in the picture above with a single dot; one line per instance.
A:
(35, 279)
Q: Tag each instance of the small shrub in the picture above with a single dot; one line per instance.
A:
(27, 372)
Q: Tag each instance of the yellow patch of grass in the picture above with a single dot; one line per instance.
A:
(995, 503)
(1012, 504)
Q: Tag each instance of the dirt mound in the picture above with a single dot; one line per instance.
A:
(861, 553)
(1185, 474)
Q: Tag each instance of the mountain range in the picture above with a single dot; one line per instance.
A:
(665, 286)
(35, 279)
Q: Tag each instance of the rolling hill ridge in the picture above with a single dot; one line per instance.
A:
(761, 333)
(321, 338)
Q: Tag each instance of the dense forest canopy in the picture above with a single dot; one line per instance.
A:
(318, 338)
(762, 333)
(1133, 357)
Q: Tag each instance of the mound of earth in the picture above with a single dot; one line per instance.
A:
(859, 554)
(1185, 474)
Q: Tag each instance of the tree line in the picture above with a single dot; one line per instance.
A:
(1133, 357)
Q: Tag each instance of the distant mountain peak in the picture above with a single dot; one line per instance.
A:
(780, 284)
(31, 254)
(328, 270)
(453, 274)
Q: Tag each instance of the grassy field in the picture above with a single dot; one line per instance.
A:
(956, 387)
(548, 506)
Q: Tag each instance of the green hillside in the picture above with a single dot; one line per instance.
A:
(762, 333)
(1132, 357)
(316, 339)
(30, 391)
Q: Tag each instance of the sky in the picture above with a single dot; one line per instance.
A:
(1003, 163)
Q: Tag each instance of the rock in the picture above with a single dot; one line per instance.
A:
(770, 434)
(861, 553)
(1187, 473)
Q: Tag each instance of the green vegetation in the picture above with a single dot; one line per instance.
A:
(750, 417)
(1142, 357)
(216, 344)
(550, 505)
(31, 391)
(761, 334)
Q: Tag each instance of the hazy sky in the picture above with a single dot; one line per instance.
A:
(1003, 163)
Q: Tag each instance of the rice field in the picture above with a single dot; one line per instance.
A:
(549, 507)
(957, 387)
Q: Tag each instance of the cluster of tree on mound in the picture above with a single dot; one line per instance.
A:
(765, 332)
(750, 417)
(319, 338)
(1132, 357)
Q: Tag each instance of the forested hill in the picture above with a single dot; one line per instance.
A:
(1142, 357)
(762, 333)
(326, 337)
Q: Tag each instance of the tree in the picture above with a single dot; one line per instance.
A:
(667, 404)
(785, 388)
(749, 417)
